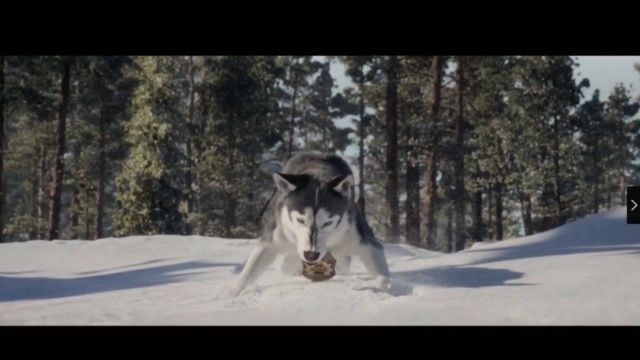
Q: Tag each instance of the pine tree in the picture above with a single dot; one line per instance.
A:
(413, 87)
(620, 109)
(460, 194)
(564, 96)
(191, 135)
(499, 144)
(56, 189)
(590, 117)
(319, 130)
(149, 185)
(31, 94)
(297, 71)
(391, 164)
(375, 144)
(2, 140)
(244, 123)
(360, 72)
(102, 105)
(430, 190)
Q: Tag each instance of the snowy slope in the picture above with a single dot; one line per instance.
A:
(584, 273)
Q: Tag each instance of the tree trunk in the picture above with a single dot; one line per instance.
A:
(429, 218)
(392, 206)
(292, 121)
(431, 196)
(2, 191)
(623, 197)
(202, 226)
(74, 209)
(190, 136)
(230, 215)
(608, 199)
(56, 189)
(74, 216)
(102, 163)
(361, 136)
(361, 197)
(325, 139)
(596, 180)
(498, 190)
(42, 180)
(461, 230)
(596, 200)
(412, 203)
(559, 208)
(33, 233)
(528, 218)
(231, 202)
(448, 246)
(490, 213)
(250, 207)
(525, 204)
(478, 227)
(87, 223)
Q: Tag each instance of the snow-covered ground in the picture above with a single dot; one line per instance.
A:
(584, 273)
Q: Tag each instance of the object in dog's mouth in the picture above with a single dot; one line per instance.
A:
(323, 270)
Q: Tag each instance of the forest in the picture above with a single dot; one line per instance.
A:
(447, 150)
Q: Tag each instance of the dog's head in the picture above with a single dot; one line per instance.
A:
(313, 211)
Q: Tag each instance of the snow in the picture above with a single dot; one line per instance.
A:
(584, 273)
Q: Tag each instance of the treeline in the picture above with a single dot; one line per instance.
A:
(449, 150)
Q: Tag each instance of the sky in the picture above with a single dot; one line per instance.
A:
(604, 72)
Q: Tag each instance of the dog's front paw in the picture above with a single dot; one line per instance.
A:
(227, 293)
(235, 290)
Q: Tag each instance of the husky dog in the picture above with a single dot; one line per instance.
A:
(312, 213)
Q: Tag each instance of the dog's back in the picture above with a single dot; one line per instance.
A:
(322, 166)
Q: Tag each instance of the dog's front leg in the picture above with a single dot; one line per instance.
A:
(261, 257)
(374, 260)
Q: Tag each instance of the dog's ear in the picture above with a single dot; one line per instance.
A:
(289, 182)
(342, 184)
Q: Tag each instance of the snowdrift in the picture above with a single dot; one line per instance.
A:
(584, 273)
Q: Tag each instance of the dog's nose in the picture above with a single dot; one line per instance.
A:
(311, 255)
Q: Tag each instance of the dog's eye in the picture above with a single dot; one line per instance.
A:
(301, 221)
(327, 223)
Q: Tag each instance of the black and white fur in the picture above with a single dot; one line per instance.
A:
(314, 213)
